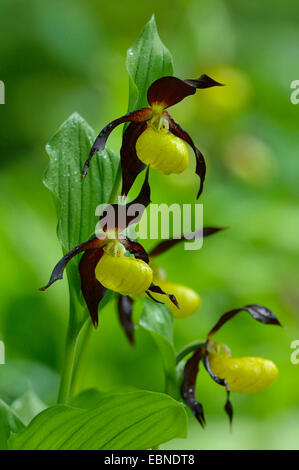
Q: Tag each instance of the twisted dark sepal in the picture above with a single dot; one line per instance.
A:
(125, 310)
(189, 383)
(158, 290)
(228, 407)
(131, 166)
(258, 312)
(165, 245)
(130, 213)
(168, 91)
(93, 291)
(58, 270)
(200, 168)
(99, 144)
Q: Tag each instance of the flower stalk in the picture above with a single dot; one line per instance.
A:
(67, 369)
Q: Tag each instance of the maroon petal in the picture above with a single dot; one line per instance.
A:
(258, 312)
(228, 407)
(92, 289)
(125, 309)
(204, 81)
(99, 144)
(158, 290)
(189, 383)
(57, 272)
(131, 166)
(200, 170)
(123, 215)
(153, 298)
(167, 244)
(135, 249)
(167, 91)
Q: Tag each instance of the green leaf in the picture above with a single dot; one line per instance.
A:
(90, 398)
(157, 319)
(134, 420)
(147, 60)
(76, 200)
(28, 406)
(9, 422)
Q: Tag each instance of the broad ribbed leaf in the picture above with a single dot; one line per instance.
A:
(134, 420)
(90, 398)
(76, 200)
(147, 60)
(158, 321)
(9, 423)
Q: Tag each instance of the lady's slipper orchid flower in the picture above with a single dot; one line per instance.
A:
(153, 138)
(243, 375)
(106, 265)
(188, 300)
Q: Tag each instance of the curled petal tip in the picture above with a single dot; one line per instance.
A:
(174, 300)
(52, 280)
(85, 171)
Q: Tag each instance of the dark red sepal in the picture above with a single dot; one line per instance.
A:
(189, 384)
(258, 312)
(204, 81)
(123, 214)
(228, 407)
(135, 249)
(131, 166)
(168, 91)
(165, 245)
(99, 144)
(125, 310)
(57, 272)
(93, 291)
(158, 290)
(153, 298)
(200, 170)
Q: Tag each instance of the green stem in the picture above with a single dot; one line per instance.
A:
(171, 386)
(116, 184)
(188, 349)
(67, 370)
(81, 352)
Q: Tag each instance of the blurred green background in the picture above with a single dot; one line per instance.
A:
(61, 56)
